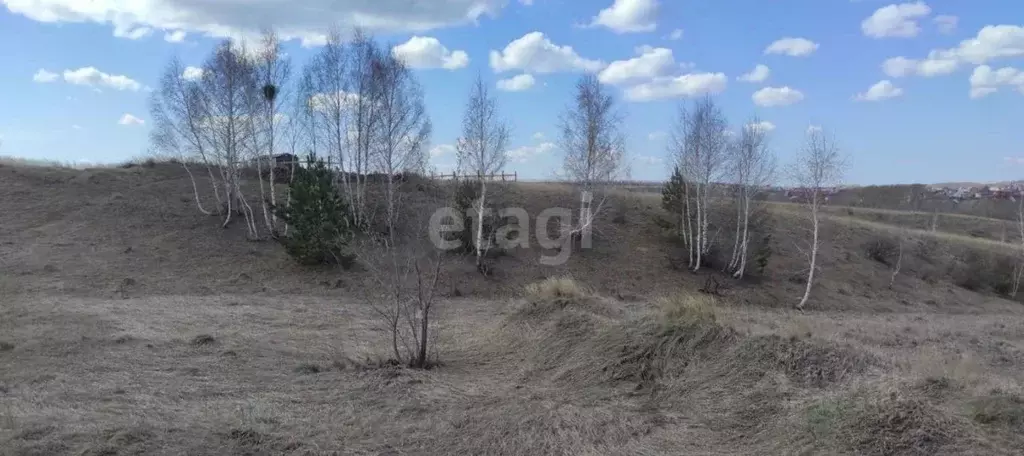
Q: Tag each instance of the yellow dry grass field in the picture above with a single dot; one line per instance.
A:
(132, 324)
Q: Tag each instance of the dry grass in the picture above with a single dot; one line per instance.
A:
(624, 358)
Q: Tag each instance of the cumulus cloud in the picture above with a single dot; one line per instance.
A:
(985, 80)
(534, 53)
(526, 153)
(793, 47)
(882, 90)
(896, 21)
(129, 119)
(428, 52)
(44, 76)
(777, 96)
(192, 73)
(946, 24)
(676, 35)
(898, 67)
(687, 85)
(90, 76)
(442, 150)
(992, 42)
(628, 16)
(176, 36)
(132, 33)
(231, 18)
(517, 83)
(763, 126)
(760, 73)
(651, 63)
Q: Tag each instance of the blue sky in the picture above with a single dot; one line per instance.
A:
(914, 92)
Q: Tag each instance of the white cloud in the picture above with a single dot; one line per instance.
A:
(442, 150)
(763, 126)
(538, 136)
(982, 92)
(44, 76)
(192, 73)
(517, 83)
(526, 2)
(882, 90)
(533, 52)
(77, 127)
(132, 33)
(814, 129)
(129, 119)
(676, 35)
(687, 85)
(629, 16)
(651, 63)
(525, 153)
(176, 36)
(793, 47)
(232, 18)
(895, 21)
(992, 42)
(760, 73)
(325, 101)
(777, 96)
(657, 136)
(985, 80)
(898, 67)
(90, 76)
(946, 24)
(428, 52)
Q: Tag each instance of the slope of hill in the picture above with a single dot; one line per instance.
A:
(132, 324)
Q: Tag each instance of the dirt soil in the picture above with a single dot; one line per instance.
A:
(132, 324)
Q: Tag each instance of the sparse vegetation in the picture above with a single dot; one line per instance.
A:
(119, 295)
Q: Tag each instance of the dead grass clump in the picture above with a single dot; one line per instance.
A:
(893, 423)
(308, 369)
(807, 362)
(554, 294)
(882, 422)
(999, 409)
(202, 340)
(663, 344)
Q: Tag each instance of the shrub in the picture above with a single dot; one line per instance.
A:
(763, 254)
(318, 218)
(882, 250)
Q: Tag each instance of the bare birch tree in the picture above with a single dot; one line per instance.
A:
(818, 168)
(593, 144)
(178, 113)
(753, 166)
(226, 90)
(272, 72)
(700, 142)
(364, 60)
(482, 151)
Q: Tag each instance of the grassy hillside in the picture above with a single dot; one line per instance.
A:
(132, 324)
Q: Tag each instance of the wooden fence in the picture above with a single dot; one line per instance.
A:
(503, 177)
